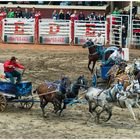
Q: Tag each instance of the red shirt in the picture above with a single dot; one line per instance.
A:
(14, 64)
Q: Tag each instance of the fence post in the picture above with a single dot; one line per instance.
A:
(2, 16)
(37, 17)
(108, 30)
(72, 29)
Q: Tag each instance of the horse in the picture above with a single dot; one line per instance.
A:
(72, 93)
(94, 54)
(52, 92)
(134, 87)
(106, 99)
(117, 73)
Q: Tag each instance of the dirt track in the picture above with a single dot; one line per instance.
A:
(49, 63)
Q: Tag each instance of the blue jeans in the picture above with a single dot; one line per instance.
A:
(13, 74)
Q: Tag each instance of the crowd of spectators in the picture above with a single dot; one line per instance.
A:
(64, 3)
(80, 15)
(56, 14)
(19, 13)
(61, 15)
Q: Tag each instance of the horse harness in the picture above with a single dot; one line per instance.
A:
(93, 54)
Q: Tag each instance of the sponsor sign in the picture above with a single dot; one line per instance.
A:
(54, 40)
(54, 32)
(18, 39)
(80, 40)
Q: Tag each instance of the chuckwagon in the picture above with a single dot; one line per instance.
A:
(16, 93)
(9, 92)
(101, 70)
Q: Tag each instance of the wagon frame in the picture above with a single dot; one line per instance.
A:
(100, 71)
(9, 93)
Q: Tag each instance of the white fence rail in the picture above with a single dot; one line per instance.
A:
(84, 30)
(17, 30)
(136, 33)
(54, 31)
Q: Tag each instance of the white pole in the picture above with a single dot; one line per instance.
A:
(130, 36)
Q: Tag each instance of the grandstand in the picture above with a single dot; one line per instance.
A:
(47, 8)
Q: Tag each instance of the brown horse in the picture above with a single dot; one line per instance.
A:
(93, 54)
(96, 52)
(52, 92)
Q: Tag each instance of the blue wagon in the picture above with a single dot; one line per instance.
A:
(101, 71)
(16, 93)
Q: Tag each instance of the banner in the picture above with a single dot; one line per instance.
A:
(18, 39)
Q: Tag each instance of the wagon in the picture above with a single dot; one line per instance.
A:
(100, 71)
(10, 92)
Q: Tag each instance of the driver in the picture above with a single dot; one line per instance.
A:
(11, 72)
(115, 57)
(99, 39)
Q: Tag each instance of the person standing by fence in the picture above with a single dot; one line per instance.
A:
(124, 35)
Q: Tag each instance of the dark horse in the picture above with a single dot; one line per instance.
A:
(95, 53)
(73, 91)
(52, 92)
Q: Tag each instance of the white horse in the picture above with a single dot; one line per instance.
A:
(108, 98)
(134, 87)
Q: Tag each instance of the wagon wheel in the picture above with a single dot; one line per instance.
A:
(26, 102)
(103, 115)
(3, 102)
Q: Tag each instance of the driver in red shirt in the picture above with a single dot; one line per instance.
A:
(11, 72)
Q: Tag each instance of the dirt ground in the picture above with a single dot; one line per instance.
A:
(47, 62)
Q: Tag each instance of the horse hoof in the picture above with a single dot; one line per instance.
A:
(44, 115)
(61, 115)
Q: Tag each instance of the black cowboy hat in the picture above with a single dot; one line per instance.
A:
(13, 58)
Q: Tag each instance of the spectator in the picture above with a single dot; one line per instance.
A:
(93, 16)
(5, 9)
(39, 14)
(99, 17)
(26, 14)
(81, 16)
(103, 17)
(74, 15)
(33, 12)
(11, 14)
(55, 15)
(116, 11)
(124, 35)
(18, 12)
(68, 14)
(61, 15)
(2, 11)
(99, 39)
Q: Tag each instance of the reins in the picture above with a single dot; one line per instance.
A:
(43, 94)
